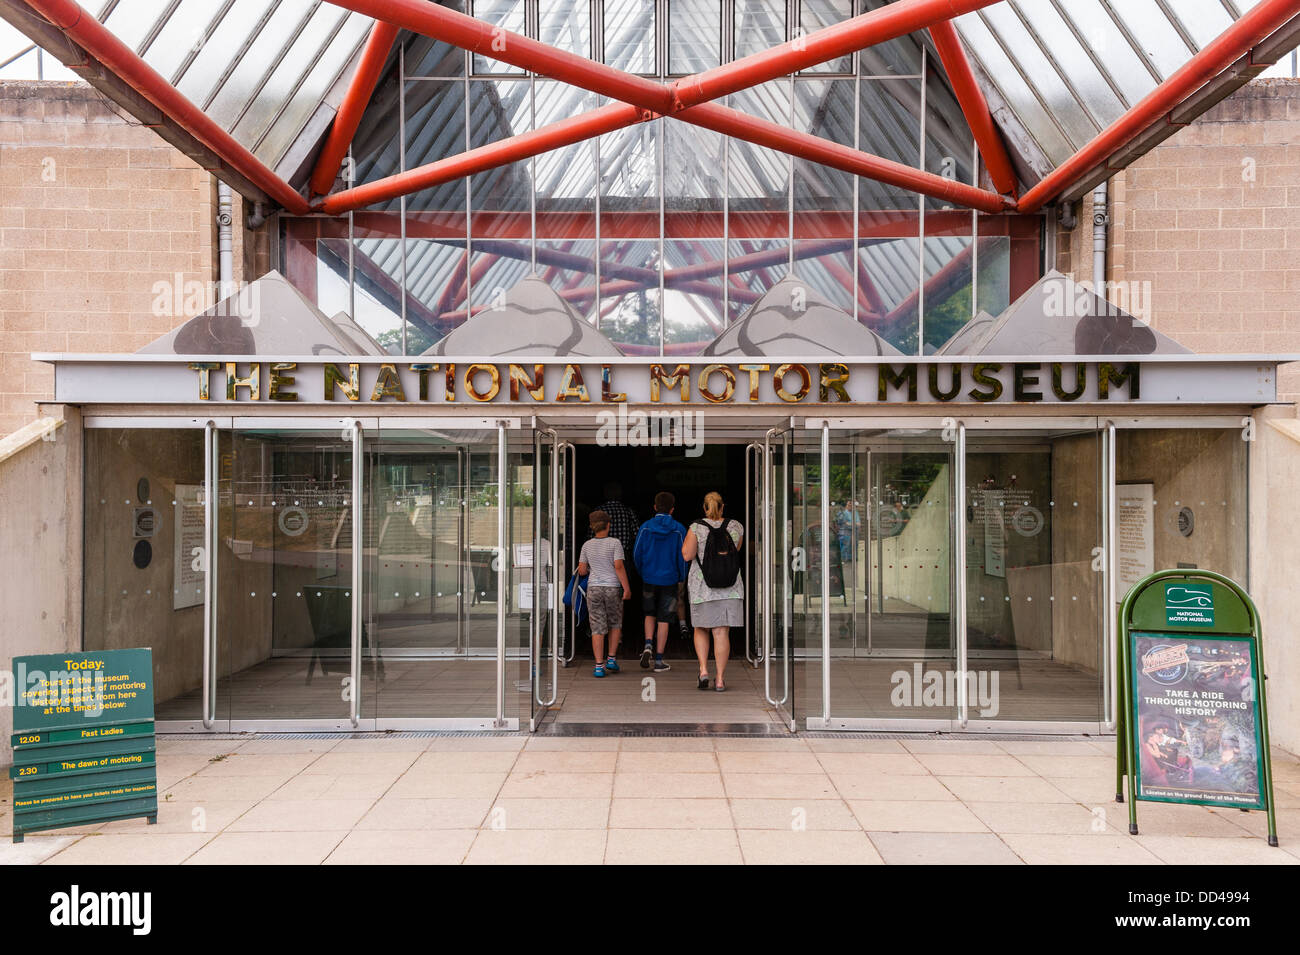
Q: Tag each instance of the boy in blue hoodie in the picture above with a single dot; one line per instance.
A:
(658, 559)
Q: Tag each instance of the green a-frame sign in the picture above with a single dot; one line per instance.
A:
(1192, 716)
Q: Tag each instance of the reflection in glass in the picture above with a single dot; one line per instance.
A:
(889, 547)
(630, 35)
(284, 579)
(694, 35)
(144, 537)
(1033, 521)
(509, 16)
(431, 536)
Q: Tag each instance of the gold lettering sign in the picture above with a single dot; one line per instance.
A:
(279, 380)
(350, 386)
(1058, 385)
(834, 377)
(778, 380)
(252, 382)
(681, 376)
(728, 387)
(983, 375)
(494, 376)
(535, 386)
(388, 385)
(205, 369)
(422, 372)
(607, 392)
(753, 378)
(888, 378)
(571, 385)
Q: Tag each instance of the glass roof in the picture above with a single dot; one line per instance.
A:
(1056, 71)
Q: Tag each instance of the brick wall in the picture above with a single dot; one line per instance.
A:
(1207, 228)
(94, 211)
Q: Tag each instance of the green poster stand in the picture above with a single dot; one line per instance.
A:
(1196, 636)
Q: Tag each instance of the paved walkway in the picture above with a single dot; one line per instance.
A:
(656, 800)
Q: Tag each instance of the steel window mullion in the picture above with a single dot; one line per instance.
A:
(358, 550)
(959, 581)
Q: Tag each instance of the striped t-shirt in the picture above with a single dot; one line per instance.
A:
(599, 555)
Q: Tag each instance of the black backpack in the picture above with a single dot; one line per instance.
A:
(719, 560)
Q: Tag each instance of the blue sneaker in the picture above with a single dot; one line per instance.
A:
(598, 671)
(612, 665)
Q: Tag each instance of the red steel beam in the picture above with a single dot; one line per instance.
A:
(644, 99)
(974, 107)
(762, 132)
(350, 111)
(1216, 56)
(88, 33)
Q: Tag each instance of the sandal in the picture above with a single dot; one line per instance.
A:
(721, 688)
(703, 684)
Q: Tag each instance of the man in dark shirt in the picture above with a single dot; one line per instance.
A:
(623, 524)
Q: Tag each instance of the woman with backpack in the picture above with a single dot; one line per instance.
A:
(716, 589)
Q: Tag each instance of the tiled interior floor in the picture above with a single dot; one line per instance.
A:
(657, 800)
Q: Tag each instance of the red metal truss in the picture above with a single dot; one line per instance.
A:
(355, 101)
(643, 99)
(99, 42)
(1216, 56)
(974, 107)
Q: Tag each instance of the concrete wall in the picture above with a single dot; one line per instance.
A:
(40, 546)
(125, 605)
(1275, 515)
(94, 211)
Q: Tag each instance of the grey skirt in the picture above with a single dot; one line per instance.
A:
(718, 613)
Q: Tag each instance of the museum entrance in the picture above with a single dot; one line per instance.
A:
(907, 573)
(623, 478)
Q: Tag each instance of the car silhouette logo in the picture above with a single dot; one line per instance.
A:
(1182, 597)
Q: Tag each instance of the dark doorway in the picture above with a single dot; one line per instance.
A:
(640, 473)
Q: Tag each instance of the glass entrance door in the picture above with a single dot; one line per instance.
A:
(431, 558)
(880, 538)
(286, 571)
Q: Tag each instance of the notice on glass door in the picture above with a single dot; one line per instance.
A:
(1135, 524)
(188, 558)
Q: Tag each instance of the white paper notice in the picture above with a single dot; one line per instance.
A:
(1135, 535)
(188, 559)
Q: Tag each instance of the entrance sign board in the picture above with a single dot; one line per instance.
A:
(83, 739)
(375, 382)
(1193, 724)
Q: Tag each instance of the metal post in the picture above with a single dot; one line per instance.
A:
(1109, 532)
(208, 711)
(769, 555)
(556, 568)
(826, 571)
(959, 588)
(358, 548)
(502, 580)
(570, 505)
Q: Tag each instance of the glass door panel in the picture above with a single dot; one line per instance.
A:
(430, 629)
(892, 642)
(284, 574)
(1034, 575)
(144, 548)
